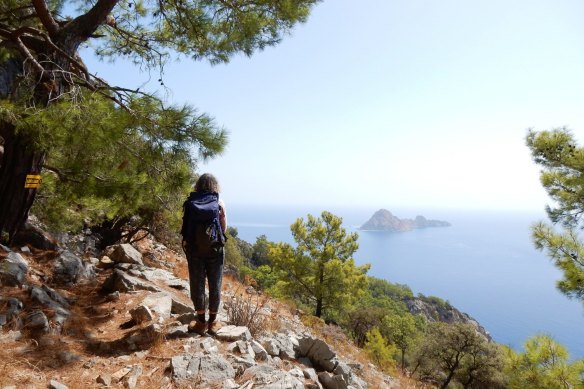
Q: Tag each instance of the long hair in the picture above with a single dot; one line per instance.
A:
(207, 183)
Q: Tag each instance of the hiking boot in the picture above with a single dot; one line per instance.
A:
(212, 328)
(198, 327)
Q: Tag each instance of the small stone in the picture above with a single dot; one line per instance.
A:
(118, 375)
(68, 357)
(104, 379)
(114, 296)
(141, 314)
(54, 384)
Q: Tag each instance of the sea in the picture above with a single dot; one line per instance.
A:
(485, 264)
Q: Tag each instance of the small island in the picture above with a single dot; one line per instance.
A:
(383, 220)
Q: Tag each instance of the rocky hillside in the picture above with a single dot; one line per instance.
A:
(434, 310)
(72, 316)
(383, 220)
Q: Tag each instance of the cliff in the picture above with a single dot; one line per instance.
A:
(383, 220)
(434, 309)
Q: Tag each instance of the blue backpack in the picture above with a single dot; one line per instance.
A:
(201, 228)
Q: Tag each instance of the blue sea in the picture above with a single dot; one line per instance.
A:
(485, 264)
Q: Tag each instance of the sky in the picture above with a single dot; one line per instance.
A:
(392, 103)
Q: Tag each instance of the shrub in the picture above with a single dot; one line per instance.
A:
(245, 310)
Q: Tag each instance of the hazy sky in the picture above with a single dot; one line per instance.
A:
(393, 104)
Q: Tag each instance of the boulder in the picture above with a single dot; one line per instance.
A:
(13, 270)
(141, 314)
(205, 369)
(32, 234)
(318, 352)
(122, 282)
(126, 253)
(232, 333)
(182, 309)
(159, 303)
(36, 321)
(14, 307)
(269, 377)
(69, 269)
(281, 345)
(260, 352)
(332, 381)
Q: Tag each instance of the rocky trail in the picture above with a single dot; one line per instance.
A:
(74, 317)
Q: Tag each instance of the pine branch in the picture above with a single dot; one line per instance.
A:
(83, 26)
(45, 16)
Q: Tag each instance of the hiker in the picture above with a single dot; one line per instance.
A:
(203, 231)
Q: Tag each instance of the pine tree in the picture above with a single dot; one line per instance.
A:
(41, 69)
(544, 363)
(321, 272)
(562, 176)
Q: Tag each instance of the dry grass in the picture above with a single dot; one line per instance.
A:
(245, 309)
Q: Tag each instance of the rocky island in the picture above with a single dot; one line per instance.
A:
(383, 220)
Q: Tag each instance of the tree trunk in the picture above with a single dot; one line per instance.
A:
(448, 378)
(318, 312)
(20, 158)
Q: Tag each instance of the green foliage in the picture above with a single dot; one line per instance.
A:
(436, 301)
(457, 353)
(320, 271)
(244, 247)
(260, 252)
(363, 319)
(379, 288)
(233, 255)
(212, 29)
(544, 364)
(562, 161)
(400, 331)
(379, 350)
(106, 163)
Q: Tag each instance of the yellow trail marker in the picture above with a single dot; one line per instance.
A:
(32, 181)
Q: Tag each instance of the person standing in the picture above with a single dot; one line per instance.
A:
(203, 231)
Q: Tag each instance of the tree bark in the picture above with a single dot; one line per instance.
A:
(318, 311)
(20, 158)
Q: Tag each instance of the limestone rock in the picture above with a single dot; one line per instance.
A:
(281, 345)
(104, 379)
(54, 384)
(269, 377)
(131, 379)
(159, 303)
(332, 382)
(14, 307)
(126, 253)
(318, 352)
(69, 269)
(122, 282)
(36, 321)
(141, 314)
(32, 234)
(182, 309)
(202, 368)
(13, 270)
(232, 333)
